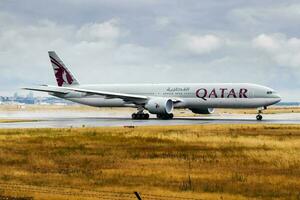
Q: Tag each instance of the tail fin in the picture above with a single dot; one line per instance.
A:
(63, 76)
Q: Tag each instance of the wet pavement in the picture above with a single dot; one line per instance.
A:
(58, 119)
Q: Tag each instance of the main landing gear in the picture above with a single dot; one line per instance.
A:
(165, 116)
(140, 114)
(144, 116)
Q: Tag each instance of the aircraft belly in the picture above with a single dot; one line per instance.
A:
(100, 102)
(186, 103)
(227, 102)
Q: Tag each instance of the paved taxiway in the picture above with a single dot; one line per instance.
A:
(100, 119)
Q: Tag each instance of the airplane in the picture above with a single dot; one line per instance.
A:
(159, 99)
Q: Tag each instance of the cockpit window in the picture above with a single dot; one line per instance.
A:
(269, 92)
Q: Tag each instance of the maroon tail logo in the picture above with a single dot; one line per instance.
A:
(61, 74)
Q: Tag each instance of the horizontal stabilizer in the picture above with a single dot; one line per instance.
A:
(46, 89)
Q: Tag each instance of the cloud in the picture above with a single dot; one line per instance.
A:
(98, 52)
(24, 47)
(266, 16)
(162, 22)
(282, 50)
(268, 12)
(108, 30)
(111, 41)
(266, 42)
(198, 44)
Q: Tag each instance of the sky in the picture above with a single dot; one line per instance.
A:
(152, 41)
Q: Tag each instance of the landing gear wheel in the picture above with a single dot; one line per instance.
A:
(146, 116)
(259, 117)
(140, 116)
(133, 116)
(165, 116)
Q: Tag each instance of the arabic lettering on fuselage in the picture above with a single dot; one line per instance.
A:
(178, 89)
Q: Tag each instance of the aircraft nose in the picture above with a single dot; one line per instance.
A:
(277, 98)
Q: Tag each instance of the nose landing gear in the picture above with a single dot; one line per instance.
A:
(259, 116)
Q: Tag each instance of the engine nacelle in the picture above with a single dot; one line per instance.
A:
(159, 106)
(202, 110)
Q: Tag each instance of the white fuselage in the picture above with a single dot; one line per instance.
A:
(189, 95)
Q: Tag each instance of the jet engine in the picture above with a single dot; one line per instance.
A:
(202, 110)
(159, 106)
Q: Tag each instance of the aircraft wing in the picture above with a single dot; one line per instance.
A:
(139, 99)
(66, 90)
(116, 95)
(109, 94)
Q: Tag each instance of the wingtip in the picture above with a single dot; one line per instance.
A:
(51, 52)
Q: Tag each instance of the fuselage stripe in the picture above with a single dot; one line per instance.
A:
(56, 63)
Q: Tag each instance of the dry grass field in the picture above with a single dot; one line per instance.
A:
(205, 162)
(16, 120)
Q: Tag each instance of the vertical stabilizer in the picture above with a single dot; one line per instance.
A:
(63, 76)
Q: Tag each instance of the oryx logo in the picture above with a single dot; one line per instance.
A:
(61, 74)
(156, 105)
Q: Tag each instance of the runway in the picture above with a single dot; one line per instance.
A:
(100, 119)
